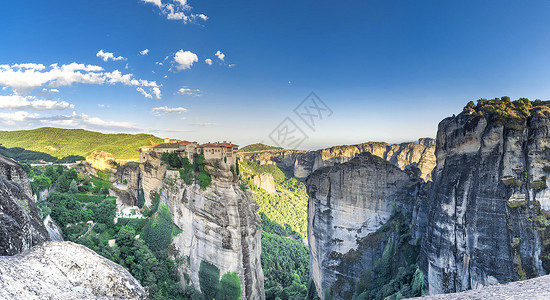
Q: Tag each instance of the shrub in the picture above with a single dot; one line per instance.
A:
(204, 180)
(158, 231)
(230, 287)
(140, 198)
(209, 278)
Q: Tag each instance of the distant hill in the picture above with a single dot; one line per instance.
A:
(61, 143)
(258, 147)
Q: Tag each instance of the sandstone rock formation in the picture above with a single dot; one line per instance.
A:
(151, 174)
(20, 224)
(220, 225)
(490, 194)
(64, 270)
(348, 205)
(303, 163)
(54, 231)
(265, 181)
(100, 161)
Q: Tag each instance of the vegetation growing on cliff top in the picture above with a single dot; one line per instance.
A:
(511, 114)
(60, 143)
(258, 147)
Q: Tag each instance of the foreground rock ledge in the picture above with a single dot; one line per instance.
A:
(536, 288)
(65, 270)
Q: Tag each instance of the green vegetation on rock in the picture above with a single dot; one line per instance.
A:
(258, 147)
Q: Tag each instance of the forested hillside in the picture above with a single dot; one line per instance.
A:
(60, 143)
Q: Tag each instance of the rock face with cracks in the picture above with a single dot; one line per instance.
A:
(65, 270)
(219, 225)
(302, 163)
(20, 224)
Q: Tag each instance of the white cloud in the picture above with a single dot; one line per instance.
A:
(159, 111)
(144, 93)
(185, 59)
(155, 2)
(30, 66)
(108, 55)
(14, 117)
(101, 105)
(232, 65)
(48, 91)
(177, 10)
(208, 61)
(189, 92)
(220, 55)
(144, 52)
(23, 81)
(156, 92)
(19, 102)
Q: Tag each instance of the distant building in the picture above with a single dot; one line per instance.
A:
(184, 148)
(223, 151)
(219, 151)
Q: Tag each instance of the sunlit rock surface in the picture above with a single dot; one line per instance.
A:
(65, 270)
(303, 163)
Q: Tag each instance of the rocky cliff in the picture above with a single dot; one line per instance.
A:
(100, 161)
(487, 220)
(353, 211)
(265, 181)
(303, 163)
(64, 270)
(219, 225)
(20, 224)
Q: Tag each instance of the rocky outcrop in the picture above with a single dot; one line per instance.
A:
(20, 224)
(265, 181)
(14, 172)
(303, 163)
(536, 288)
(348, 206)
(64, 270)
(151, 174)
(219, 225)
(485, 217)
(101, 161)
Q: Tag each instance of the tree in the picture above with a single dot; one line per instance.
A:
(73, 187)
(158, 231)
(51, 173)
(72, 174)
(105, 212)
(63, 184)
(209, 279)
(42, 182)
(204, 180)
(230, 287)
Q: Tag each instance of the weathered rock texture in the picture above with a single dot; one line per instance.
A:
(348, 205)
(13, 172)
(20, 224)
(100, 161)
(265, 181)
(536, 288)
(303, 163)
(151, 175)
(54, 231)
(64, 270)
(486, 225)
(220, 225)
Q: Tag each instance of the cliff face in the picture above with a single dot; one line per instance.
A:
(20, 224)
(488, 202)
(348, 206)
(151, 174)
(64, 270)
(13, 172)
(100, 161)
(303, 163)
(220, 225)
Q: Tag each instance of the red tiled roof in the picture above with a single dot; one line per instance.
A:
(218, 145)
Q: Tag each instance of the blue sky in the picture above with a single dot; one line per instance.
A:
(388, 70)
